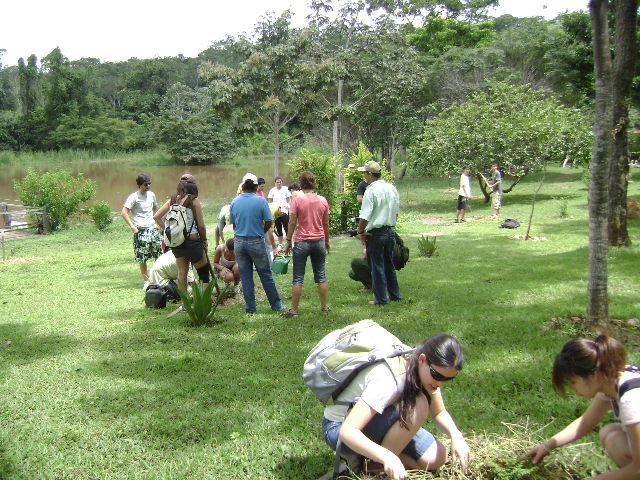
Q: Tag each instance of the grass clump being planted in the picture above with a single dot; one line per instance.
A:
(98, 386)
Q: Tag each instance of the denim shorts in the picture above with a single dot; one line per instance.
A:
(376, 429)
(315, 249)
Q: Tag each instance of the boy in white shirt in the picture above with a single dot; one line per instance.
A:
(464, 194)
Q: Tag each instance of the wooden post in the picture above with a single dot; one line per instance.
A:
(46, 225)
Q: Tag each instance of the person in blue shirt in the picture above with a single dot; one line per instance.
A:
(251, 218)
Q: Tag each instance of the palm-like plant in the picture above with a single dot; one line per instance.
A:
(427, 246)
(201, 307)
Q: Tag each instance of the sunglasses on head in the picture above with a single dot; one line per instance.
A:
(437, 376)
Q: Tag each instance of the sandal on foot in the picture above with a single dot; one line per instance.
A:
(325, 310)
(289, 314)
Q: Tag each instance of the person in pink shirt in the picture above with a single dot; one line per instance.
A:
(309, 223)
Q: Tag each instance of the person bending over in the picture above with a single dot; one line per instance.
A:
(194, 248)
(385, 423)
(224, 263)
(597, 370)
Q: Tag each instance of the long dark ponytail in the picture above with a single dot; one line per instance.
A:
(441, 350)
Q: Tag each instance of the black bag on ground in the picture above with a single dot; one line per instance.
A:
(155, 297)
(172, 292)
(510, 223)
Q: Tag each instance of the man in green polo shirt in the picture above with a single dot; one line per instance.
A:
(378, 216)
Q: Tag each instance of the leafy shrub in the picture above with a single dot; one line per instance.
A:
(563, 206)
(519, 127)
(8, 126)
(58, 193)
(427, 246)
(199, 139)
(101, 215)
(324, 167)
(100, 133)
(349, 207)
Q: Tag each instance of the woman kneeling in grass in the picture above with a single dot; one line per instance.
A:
(386, 419)
(597, 370)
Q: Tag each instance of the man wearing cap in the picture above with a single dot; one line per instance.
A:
(250, 217)
(378, 216)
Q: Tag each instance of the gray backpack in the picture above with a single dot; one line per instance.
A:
(175, 225)
(341, 354)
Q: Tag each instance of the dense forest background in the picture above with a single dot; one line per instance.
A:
(388, 73)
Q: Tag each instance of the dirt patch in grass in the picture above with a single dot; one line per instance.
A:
(434, 220)
(626, 331)
(532, 238)
(20, 260)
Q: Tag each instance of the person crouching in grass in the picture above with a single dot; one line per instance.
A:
(224, 263)
(597, 370)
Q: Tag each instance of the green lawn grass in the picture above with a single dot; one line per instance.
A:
(96, 386)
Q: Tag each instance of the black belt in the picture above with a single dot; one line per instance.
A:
(381, 229)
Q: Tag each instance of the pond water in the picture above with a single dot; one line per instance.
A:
(217, 184)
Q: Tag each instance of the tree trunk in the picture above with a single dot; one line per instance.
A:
(597, 299)
(623, 71)
(276, 148)
(483, 187)
(337, 143)
(392, 158)
(533, 204)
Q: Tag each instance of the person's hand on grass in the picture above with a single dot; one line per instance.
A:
(538, 452)
(393, 467)
(460, 450)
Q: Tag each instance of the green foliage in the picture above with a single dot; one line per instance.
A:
(348, 204)
(200, 307)
(322, 165)
(99, 133)
(27, 84)
(101, 215)
(258, 143)
(563, 206)
(9, 122)
(518, 127)
(439, 34)
(199, 139)
(60, 193)
(427, 246)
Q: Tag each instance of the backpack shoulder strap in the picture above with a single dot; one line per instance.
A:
(628, 385)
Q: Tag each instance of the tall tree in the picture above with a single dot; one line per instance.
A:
(623, 73)
(276, 84)
(597, 296)
(27, 84)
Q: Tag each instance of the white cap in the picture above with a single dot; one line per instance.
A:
(250, 176)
